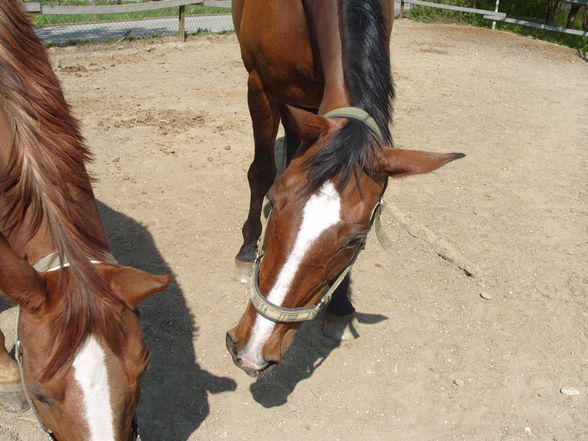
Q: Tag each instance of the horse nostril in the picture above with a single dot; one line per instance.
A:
(231, 337)
(230, 342)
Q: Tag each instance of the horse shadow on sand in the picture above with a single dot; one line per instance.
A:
(174, 396)
(5, 304)
(307, 353)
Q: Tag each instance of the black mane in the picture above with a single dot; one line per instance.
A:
(366, 64)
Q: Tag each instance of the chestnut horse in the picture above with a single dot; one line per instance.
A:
(322, 67)
(80, 346)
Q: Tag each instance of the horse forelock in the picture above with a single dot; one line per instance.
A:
(349, 153)
(43, 180)
(89, 308)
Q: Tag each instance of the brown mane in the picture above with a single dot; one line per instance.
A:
(44, 181)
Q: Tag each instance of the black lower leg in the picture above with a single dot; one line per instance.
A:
(340, 304)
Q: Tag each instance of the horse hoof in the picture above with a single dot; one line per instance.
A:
(242, 272)
(13, 398)
(340, 327)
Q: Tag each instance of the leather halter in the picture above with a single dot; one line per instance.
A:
(359, 115)
(277, 313)
(53, 262)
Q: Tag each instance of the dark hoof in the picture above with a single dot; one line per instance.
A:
(12, 398)
(340, 327)
(242, 272)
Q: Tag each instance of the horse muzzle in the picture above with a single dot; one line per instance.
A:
(251, 368)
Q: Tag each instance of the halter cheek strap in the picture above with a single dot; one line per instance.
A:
(362, 116)
(18, 355)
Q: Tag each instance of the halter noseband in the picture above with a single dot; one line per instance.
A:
(277, 313)
(53, 262)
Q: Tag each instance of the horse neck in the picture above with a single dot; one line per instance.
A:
(361, 47)
(22, 239)
(324, 28)
(42, 152)
(40, 243)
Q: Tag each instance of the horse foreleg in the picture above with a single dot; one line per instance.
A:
(12, 398)
(261, 174)
(340, 318)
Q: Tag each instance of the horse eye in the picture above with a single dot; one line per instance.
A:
(355, 241)
(43, 399)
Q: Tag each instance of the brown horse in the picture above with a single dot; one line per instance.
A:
(323, 69)
(81, 348)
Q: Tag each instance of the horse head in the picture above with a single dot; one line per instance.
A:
(318, 224)
(92, 393)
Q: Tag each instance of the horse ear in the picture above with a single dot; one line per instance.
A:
(132, 285)
(397, 162)
(307, 126)
(18, 279)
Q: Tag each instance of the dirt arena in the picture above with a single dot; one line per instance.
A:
(169, 125)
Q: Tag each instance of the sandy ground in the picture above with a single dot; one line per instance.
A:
(169, 125)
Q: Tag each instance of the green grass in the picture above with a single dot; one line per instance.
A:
(43, 20)
(52, 43)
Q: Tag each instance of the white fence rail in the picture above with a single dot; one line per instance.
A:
(495, 16)
(38, 8)
(452, 8)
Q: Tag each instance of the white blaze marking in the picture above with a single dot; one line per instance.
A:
(92, 375)
(322, 210)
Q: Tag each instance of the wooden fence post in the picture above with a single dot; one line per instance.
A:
(401, 13)
(182, 23)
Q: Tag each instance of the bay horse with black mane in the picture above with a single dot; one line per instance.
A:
(79, 345)
(322, 68)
